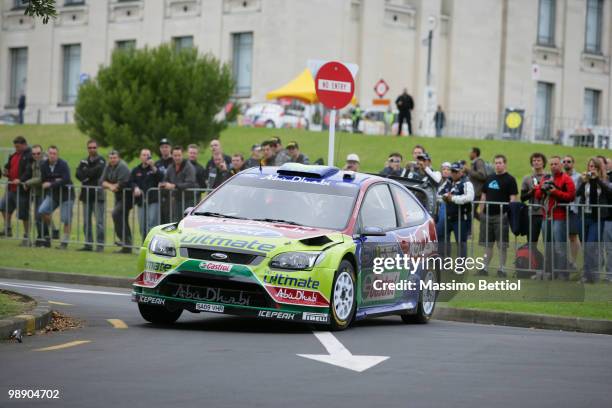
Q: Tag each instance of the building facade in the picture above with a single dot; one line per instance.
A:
(549, 59)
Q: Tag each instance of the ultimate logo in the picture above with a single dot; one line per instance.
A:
(212, 240)
(290, 281)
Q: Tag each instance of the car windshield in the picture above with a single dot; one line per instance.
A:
(313, 203)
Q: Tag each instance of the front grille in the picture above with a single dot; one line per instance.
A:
(210, 288)
(232, 257)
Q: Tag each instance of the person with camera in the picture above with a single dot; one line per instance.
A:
(457, 193)
(423, 172)
(393, 166)
(144, 177)
(556, 190)
(538, 164)
(93, 198)
(595, 194)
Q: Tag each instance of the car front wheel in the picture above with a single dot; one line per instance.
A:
(343, 297)
(159, 314)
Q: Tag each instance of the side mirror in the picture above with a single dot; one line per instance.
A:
(187, 211)
(373, 232)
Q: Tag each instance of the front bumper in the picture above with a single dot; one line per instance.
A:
(196, 306)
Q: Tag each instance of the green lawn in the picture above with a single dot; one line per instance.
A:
(70, 261)
(11, 305)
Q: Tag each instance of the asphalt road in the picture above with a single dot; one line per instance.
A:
(219, 361)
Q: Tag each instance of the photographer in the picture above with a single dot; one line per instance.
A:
(393, 166)
(594, 190)
(423, 172)
(556, 189)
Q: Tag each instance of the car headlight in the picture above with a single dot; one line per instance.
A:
(297, 260)
(162, 246)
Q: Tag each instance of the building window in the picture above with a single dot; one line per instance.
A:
(181, 43)
(242, 63)
(71, 73)
(543, 111)
(125, 44)
(546, 22)
(19, 73)
(19, 4)
(591, 107)
(594, 14)
(74, 2)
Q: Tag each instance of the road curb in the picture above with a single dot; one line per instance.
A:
(536, 321)
(28, 322)
(61, 277)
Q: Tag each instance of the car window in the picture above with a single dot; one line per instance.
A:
(377, 209)
(408, 209)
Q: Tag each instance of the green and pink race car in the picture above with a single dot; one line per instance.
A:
(294, 243)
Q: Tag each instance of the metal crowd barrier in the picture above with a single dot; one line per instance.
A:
(89, 219)
(555, 252)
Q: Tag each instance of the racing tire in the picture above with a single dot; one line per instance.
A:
(426, 304)
(159, 314)
(343, 297)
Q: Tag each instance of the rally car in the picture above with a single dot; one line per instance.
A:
(298, 243)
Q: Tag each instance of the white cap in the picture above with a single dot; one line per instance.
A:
(352, 157)
(445, 164)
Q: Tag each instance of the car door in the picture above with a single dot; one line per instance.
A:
(377, 210)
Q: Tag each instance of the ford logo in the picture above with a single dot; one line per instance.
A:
(218, 256)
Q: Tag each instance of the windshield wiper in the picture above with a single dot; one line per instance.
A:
(277, 220)
(218, 215)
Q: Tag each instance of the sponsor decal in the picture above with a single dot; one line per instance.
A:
(241, 230)
(276, 315)
(215, 266)
(417, 243)
(297, 296)
(370, 293)
(295, 179)
(284, 280)
(213, 240)
(315, 317)
(157, 266)
(216, 295)
(151, 300)
(207, 307)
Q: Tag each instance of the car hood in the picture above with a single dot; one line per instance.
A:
(276, 235)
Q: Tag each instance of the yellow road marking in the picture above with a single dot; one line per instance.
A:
(117, 323)
(30, 322)
(63, 346)
(53, 302)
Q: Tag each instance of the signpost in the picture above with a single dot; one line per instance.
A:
(335, 87)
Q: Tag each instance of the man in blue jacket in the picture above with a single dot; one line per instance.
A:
(58, 192)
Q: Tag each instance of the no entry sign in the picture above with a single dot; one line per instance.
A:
(335, 85)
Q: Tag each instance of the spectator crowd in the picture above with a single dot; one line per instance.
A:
(555, 202)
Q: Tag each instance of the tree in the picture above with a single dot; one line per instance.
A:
(41, 8)
(147, 94)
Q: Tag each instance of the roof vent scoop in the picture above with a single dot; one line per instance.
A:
(307, 171)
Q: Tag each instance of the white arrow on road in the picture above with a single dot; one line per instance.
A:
(340, 356)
